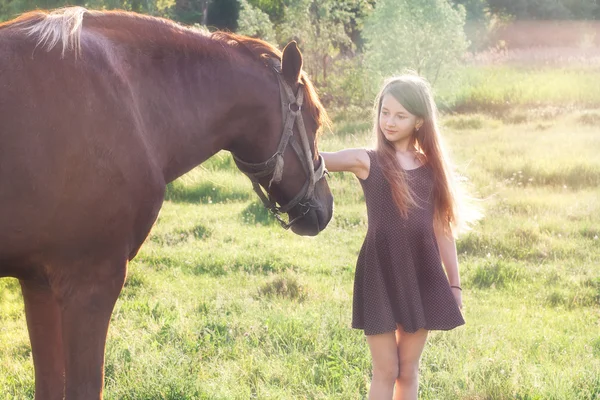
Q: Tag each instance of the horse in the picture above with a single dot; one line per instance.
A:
(99, 111)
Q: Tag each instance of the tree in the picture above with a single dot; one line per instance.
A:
(477, 10)
(318, 27)
(223, 14)
(273, 8)
(191, 11)
(546, 9)
(426, 36)
(254, 22)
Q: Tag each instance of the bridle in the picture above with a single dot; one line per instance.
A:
(291, 110)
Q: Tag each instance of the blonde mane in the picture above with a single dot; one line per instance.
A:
(59, 26)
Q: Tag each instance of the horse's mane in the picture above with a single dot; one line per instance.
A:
(63, 26)
(60, 26)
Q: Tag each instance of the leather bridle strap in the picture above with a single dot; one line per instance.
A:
(291, 107)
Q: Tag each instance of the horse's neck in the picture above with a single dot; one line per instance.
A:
(193, 106)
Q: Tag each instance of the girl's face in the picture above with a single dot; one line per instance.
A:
(397, 124)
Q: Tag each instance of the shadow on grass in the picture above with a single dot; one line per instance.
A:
(178, 236)
(496, 274)
(219, 265)
(204, 193)
(256, 213)
(252, 265)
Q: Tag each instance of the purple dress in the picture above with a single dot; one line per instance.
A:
(399, 275)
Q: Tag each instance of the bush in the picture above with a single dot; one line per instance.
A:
(589, 118)
(283, 286)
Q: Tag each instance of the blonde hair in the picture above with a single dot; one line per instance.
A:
(415, 95)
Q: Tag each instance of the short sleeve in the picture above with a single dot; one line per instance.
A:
(372, 153)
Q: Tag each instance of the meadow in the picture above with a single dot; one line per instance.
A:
(221, 303)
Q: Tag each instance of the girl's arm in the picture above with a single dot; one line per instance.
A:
(351, 160)
(447, 246)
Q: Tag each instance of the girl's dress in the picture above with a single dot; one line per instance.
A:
(399, 276)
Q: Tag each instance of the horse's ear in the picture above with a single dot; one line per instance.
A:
(291, 62)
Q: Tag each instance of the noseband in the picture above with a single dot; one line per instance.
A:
(291, 110)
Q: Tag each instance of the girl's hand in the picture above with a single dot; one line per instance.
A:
(457, 296)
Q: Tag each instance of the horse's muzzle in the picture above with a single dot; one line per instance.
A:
(315, 219)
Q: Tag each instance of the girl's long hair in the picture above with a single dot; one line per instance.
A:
(415, 95)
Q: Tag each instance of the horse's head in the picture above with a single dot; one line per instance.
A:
(291, 171)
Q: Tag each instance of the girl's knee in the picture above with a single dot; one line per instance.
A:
(408, 372)
(386, 373)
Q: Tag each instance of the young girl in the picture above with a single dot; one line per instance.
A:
(400, 290)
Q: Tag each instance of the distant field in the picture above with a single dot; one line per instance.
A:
(505, 89)
(221, 303)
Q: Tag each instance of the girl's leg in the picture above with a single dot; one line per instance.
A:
(410, 346)
(384, 353)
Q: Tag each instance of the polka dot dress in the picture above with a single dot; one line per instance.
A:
(399, 275)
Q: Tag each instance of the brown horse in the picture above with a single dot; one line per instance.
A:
(98, 112)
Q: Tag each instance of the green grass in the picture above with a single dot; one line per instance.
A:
(500, 89)
(221, 303)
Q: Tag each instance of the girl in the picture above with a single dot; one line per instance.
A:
(400, 290)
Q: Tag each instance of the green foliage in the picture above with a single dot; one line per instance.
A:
(223, 14)
(477, 10)
(355, 11)
(318, 27)
(348, 84)
(254, 22)
(190, 12)
(273, 8)
(546, 9)
(425, 36)
(332, 43)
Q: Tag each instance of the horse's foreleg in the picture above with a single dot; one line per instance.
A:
(86, 311)
(44, 325)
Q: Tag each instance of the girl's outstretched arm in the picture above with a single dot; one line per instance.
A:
(350, 160)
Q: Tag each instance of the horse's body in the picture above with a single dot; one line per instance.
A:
(98, 112)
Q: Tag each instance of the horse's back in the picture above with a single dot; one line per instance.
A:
(74, 170)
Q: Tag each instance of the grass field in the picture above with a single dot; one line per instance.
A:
(221, 303)
(506, 90)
